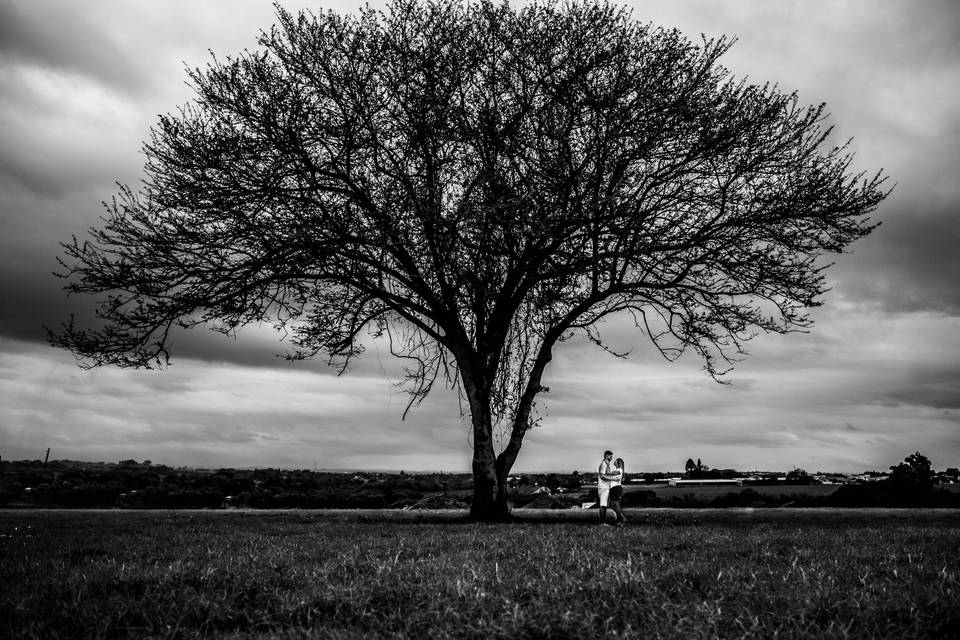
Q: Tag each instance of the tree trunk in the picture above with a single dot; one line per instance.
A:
(490, 471)
(489, 487)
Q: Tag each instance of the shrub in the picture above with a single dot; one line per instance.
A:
(745, 498)
(10, 492)
(890, 494)
(644, 498)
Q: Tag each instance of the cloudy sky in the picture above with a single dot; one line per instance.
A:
(876, 379)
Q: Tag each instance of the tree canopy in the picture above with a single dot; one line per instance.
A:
(477, 183)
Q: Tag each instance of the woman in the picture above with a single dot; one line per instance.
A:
(616, 490)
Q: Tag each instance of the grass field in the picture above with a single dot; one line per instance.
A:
(671, 573)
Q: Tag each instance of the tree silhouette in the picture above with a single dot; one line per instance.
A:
(477, 184)
(914, 472)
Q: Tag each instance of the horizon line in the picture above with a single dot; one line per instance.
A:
(397, 471)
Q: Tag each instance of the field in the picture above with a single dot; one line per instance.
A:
(690, 573)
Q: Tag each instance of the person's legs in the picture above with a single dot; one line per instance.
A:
(615, 505)
(603, 496)
(615, 494)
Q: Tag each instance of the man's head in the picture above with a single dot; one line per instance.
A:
(607, 454)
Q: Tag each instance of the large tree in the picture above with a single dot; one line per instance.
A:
(478, 183)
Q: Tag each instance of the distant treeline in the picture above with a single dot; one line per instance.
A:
(143, 485)
(884, 493)
(147, 486)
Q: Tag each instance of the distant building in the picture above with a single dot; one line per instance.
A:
(703, 482)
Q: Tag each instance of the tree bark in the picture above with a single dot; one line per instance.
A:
(489, 486)
(490, 471)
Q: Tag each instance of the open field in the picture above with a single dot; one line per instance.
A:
(693, 573)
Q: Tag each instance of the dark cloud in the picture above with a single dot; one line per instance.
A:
(910, 263)
(33, 299)
(935, 385)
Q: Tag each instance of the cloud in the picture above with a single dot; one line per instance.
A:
(883, 70)
(794, 396)
(910, 263)
(65, 37)
(198, 413)
(81, 83)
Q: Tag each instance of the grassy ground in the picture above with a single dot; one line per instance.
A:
(671, 573)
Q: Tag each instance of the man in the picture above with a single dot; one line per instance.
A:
(604, 482)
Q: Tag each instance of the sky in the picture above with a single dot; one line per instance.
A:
(877, 377)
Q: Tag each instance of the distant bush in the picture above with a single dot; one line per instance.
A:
(910, 484)
(890, 494)
(163, 497)
(85, 494)
(365, 500)
(444, 501)
(638, 499)
(799, 476)
(10, 492)
(547, 501)
(745, 498)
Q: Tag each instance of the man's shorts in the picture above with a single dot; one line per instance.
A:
(603, 493)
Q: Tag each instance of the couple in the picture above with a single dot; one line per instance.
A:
(610, 487)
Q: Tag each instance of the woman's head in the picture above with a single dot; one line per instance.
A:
(618, 463)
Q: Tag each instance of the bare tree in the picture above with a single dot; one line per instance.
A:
(477, 183)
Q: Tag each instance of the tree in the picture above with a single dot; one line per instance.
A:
(697, 469)
(914, 472)
(476, 184)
